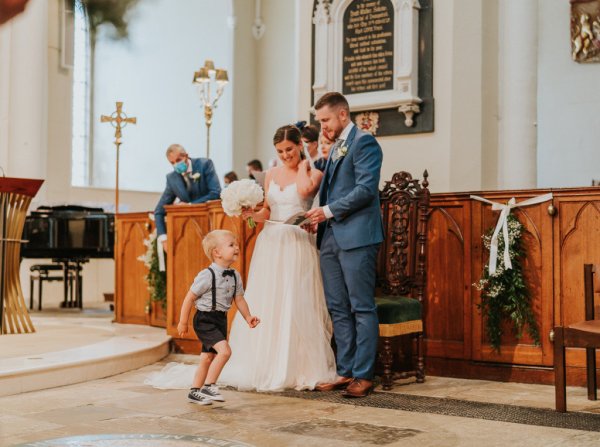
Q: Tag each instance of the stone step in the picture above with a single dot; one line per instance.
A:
(71, 349)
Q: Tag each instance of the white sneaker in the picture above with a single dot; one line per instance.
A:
(212, 392)
(197, 397)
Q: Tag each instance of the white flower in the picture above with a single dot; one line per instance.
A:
(240, 194)
(195, 177)
(342, 151)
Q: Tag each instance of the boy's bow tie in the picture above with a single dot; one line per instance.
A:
(228, 272)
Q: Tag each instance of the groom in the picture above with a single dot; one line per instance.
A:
(349, 234)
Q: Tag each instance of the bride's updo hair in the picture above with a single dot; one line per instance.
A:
(291, 133)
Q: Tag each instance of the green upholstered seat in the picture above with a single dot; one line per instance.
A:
(397, 309)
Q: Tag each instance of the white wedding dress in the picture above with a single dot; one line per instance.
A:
(291, 347)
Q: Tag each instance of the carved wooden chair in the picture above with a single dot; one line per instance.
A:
(401, 275)
(584, 334)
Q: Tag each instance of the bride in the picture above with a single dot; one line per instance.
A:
(291, 347)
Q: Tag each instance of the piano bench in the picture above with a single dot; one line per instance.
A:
(42, 272)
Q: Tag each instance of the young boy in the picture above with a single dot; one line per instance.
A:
(212, 292)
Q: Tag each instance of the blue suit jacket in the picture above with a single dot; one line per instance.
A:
(206, 188)
(350, 187)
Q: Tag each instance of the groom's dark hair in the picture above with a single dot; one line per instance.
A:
(333, 100)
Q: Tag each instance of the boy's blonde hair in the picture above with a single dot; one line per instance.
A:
(212, 241)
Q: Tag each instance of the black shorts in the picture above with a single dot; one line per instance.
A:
(210, 328)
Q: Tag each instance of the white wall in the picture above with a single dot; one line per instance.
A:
(277, 65)
(152, 74)
(244, 87)
(568, 105)
(453, 153)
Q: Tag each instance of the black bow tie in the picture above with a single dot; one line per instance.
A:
(228, 272)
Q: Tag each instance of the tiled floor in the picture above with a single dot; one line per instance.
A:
(122, 411)
(124, 405)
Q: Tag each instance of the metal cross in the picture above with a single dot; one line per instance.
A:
(118, 120)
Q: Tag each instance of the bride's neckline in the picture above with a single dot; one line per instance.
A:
(282, 188)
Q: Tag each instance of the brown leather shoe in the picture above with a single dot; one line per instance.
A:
(358, 388)
(339, 384)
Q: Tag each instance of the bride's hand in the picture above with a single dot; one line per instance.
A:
(247, 213)
(304, 165)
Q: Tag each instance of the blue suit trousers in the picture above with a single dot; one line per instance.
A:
(349, 283)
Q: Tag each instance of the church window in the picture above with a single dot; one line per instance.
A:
(81, 98)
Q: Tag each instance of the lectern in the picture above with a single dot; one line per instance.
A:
(15, 197)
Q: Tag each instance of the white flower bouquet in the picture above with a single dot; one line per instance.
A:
(241, 194)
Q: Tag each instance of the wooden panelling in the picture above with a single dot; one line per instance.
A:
(448, 302)
(187, 225)
(131, 289)
(577, 242)
(537, 241)
(557, 246)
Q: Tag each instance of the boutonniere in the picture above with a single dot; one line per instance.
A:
(340, 152)
(195, 177)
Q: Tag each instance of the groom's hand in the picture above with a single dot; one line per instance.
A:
(316, 215)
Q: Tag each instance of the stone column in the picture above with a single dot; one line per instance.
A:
(518, 94)
(26, 111)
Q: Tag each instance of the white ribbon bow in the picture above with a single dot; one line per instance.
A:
(161, 256)
(503, 223)
(159, 249)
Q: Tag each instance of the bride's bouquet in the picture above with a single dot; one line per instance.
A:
(241, 194)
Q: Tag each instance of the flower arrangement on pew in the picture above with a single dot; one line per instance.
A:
(504, 293)
(157, 280)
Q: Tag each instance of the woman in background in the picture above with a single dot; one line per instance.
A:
(326, 144)
(229, 178)
(310, 140)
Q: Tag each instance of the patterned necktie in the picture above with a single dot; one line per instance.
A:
(188, 182)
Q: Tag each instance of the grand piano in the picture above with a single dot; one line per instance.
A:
(70, 235)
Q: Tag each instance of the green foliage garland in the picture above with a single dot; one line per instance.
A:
(157, 280)
(504, 295)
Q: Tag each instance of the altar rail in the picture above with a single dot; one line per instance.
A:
(557, 240)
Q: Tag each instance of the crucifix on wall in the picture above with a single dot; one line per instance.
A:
(119, 120)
